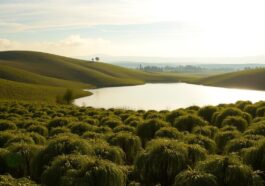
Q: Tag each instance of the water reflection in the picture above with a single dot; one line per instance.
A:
(165, 96)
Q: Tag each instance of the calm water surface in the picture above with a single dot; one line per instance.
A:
(165, 96)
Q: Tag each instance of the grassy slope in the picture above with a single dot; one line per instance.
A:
(249, 79)
(34, 72)
(12, 90)
(15, 74)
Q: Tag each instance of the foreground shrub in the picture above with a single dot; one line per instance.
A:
(3, 155)
(147, 130)
(188, 122)
(22, 138)
(238, 144)
(7, 125)
(42, 130)
(208, 131)
(168, 132)
(207, 112)
(228, 171)
(124, 128)
(59, 130)
(129, 143)
(222, 138)
(19, 159)
(203, 141)
(222, 115)
(195, 178)
(260, 112)
(196, 153)
(161, 162)
(251, 109)
(255, 156)
(172, 116)
(5, 137)
(83, 170)
(58, 146)
(58, 122)
(80, 128)
(236, 121)
(107, 152)
(111, 122)
(7, 180)
(93, 135)
(133, 121)
(256, 129)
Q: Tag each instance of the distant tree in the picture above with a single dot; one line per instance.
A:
(97, 59)
(92, 59)
(68, 96)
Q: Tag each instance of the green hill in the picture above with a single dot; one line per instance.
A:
(34, 72)
(248, 79)
(11, 90)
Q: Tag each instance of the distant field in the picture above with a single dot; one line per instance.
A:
(248, 79)
(41, 76)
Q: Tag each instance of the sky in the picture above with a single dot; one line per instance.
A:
(157, 28)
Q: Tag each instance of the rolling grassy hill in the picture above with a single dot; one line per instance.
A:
(24, 74)
(248, 79)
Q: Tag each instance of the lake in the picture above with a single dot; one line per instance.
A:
(170, 96)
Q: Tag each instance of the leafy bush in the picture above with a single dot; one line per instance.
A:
(161, 162)
(93, 135)
(188, 122)
(172, 116)
(228, 170)
(251, 109)
(222, 138)
(5, 137)
(58, 122)
(208, 131)
(236, 121)
(22, 138)
(42, 130)
(255, 156)
(80, 128)
(3, 155)
(112, 153)
(235, 145)
(59, 130)
(124, 128)
(222, 115)
(147, 130)
(207, 112)
(7, 180)
(59, 146)
(260, 112)
(7, 125)
(196, 153)
(133, 121)
(195, 178)
(111, 122)
(168, 132)
(20, 157)
(256, 129)
(129, 143)
(203, 141)
(83, 170)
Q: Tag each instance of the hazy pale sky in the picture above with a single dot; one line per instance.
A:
(165, 28)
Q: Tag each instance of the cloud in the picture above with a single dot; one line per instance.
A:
(74, 45)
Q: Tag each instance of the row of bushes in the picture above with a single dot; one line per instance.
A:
(68, 145)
